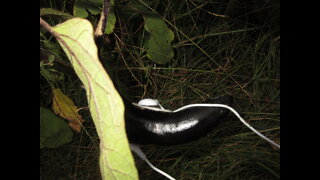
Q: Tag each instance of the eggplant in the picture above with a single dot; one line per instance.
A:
(163, 127)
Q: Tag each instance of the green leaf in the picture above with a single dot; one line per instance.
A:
(51, 58)
(105, 104)
(79, 9)
(158, 47)
(50, 11)
(51, 74)
(48, 72)
(54, 49)
(81, 6)
(111, 19)
(95, 7)
(111, 22)
(54, 132)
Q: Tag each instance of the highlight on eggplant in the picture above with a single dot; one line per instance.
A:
(145, 125)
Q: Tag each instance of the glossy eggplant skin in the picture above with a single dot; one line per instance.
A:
(145, 126)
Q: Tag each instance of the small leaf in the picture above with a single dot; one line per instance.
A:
(111, 22)
(54, 132)
(51, 58)
(65, 107)
(95, 7)
(81, 6)
(79, 9)
(158, 47)
(111, 19)
(50, 73)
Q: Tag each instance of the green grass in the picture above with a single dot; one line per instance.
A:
(214, 55)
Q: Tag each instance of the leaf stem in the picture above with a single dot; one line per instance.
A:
(49, 28)
(103, 20)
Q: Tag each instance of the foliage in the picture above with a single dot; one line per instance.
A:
(76, 38)
(53, 130)
(65, 108)
(220, 47)
(158, 46)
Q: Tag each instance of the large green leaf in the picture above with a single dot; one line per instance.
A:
(106, 106)
(54, 132)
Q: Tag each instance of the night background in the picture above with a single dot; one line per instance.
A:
(226, 47)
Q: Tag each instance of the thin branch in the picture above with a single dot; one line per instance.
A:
(47, 26)
(103, 20)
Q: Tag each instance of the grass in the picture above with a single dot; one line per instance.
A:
(214, 55)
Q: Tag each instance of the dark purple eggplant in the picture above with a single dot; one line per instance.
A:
(146, 126)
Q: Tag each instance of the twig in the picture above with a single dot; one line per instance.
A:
(47, 27)
(103, 20)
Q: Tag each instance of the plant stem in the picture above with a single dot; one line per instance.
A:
(103, 20)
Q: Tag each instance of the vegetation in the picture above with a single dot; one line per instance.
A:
(220, 47)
